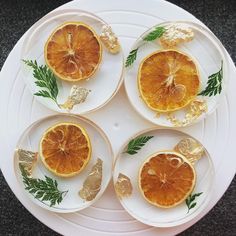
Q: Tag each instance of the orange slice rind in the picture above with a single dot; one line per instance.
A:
(168, 80)
(65, 149)
(73, 51)
(166, 179)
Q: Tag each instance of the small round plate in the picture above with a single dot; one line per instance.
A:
(102, 85)
(129, 165)
(101, 148)
(209, 55)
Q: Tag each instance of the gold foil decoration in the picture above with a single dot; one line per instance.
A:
(27, 159)
(176, 34)
(77, 95)
(123, 186)
(109, 39)
(92, 183)
(191, 149)
(158, 115)
(193, 111)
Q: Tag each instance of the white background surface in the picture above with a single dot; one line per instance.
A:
(118, 120)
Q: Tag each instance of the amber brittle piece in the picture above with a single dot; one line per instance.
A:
(92, 183)
(123, 186)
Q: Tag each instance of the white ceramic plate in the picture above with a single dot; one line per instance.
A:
(102, 85)
(119, 121)
(101, 148)
(136, 205)
(208, 55)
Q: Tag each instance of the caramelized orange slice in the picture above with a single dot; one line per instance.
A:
(168, 80)
(65, 149)
(73, 51)
(166, 179)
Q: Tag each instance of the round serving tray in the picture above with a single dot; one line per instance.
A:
(118, 119)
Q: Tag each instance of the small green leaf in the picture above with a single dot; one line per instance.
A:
(131, 57)
(156, 33)
(193, 205)
(136, 144)
(43, 93)
(43, 190)
(44, 79)
(214, 84)
(190, 200)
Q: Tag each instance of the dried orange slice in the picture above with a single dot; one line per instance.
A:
(166, 179)
(73, 51)
(168, 80)
(65, 149)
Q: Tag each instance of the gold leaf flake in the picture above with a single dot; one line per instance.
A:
(92, 183)
(123, 186)
(109, 39)
(158, 115)
(193, 111)
(27, 159)
(176, 34)
(191, 149)
(77, 95)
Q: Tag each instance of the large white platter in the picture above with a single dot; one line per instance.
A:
(129, 18)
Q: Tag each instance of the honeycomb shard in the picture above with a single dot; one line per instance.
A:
(92, 183)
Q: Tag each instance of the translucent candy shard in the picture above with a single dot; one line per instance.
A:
(92, 183)
(123, 186)
(191, 149)
(176, 34)
(27, 159)
(109, 39)
(77, 95)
